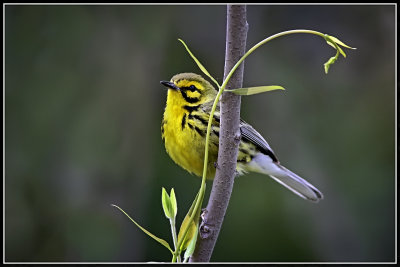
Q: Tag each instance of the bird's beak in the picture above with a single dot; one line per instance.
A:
(170, 85)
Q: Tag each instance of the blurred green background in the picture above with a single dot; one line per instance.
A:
(83, 110)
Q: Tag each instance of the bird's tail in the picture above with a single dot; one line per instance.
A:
(295, 183)
(264, 164)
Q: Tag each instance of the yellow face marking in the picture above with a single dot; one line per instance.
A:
(194, 94)
(186, 83)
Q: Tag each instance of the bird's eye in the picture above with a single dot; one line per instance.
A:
(192, 88)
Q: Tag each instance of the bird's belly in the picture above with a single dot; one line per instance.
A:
(186, 148)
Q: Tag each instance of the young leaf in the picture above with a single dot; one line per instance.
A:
(166, 204)
(174, 206)
(161, 241)
(254, 90)
(329, 63)
(193, 219)
(190, 249)
(340, 49)
(337, 41)
(334, 42)
(202, 68)
(190, 234)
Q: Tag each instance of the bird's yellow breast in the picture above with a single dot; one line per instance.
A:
(184, 137)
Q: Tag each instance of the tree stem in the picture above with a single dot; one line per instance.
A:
(174, 238)
(236, 35)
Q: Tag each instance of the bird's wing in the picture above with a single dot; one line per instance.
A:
(250, 134)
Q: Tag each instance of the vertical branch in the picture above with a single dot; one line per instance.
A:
(236, 35)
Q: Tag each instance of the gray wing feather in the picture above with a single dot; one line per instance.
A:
(250, 134)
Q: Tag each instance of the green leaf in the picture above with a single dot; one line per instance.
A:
(161, 241)
(340, 49)
(334, 42)
(331, 40)
(337, 41)
(166, 204)
(174, 206)
(190, 234)
(191, 221)
(202, 68)
(192, 245)
(329, 63)
(254, 90)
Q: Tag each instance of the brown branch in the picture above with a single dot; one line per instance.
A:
(236, 35)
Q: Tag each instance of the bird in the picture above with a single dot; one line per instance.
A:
(183, 131)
